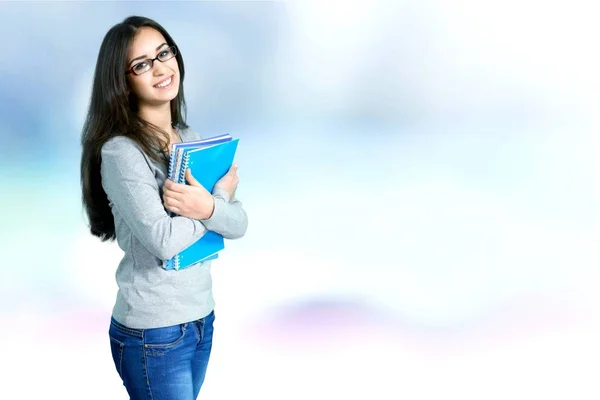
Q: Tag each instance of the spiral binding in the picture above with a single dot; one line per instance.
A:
(172, 161)
(172, 173)
(172, 263)
(184, 163)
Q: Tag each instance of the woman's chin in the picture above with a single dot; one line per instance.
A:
(161, 99)
(167, 95)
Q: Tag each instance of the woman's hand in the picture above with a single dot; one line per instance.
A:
(192, 201)
(229, 181)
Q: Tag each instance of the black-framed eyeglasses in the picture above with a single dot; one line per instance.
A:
(146, 65)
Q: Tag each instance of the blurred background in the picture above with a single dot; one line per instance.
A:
(421, 179)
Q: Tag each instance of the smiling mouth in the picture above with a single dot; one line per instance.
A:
(167, 82)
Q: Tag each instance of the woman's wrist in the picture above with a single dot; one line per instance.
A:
(207, 211)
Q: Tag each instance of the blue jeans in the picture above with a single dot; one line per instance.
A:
(162, 363)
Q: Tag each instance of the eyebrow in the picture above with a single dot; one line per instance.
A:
(145, 56)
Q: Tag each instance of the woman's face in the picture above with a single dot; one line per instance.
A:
(160, 84)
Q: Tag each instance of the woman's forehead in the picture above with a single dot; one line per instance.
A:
(145, 42)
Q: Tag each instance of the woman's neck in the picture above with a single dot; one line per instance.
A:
(159, 116)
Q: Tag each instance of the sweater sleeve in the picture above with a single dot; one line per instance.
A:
(132, 188)
(229, 218)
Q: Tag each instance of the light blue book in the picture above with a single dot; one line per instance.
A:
(208, 164)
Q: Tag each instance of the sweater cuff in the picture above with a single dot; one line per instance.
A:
(218, 216)
(220, 193)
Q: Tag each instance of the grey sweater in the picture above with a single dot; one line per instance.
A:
(149, 296)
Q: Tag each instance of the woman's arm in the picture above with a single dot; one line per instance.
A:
(229, 218)
(132, 189)
(221, 214)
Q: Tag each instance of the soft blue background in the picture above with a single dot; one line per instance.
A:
(421, 180)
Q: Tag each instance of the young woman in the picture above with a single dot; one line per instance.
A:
(162, 322)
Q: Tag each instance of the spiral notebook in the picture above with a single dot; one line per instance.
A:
(209, 159)
(178, 149)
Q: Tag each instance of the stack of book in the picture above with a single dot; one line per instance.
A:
(209, 159)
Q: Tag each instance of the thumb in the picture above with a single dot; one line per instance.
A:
(190, 178)
(233, 169)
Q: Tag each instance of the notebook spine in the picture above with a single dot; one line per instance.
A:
(172, 162)
(184, 165)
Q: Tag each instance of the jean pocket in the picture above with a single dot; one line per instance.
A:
(116, 349)
(163, 338)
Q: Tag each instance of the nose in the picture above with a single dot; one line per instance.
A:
(158, 68)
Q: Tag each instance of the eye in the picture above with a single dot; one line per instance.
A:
(165, 54)
(139, 67)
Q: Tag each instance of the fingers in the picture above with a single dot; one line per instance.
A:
(170, 200)
(175, 210)
(232, 170)
(173, 187)
(172, 194)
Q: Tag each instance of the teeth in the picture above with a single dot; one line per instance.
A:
(163, 84)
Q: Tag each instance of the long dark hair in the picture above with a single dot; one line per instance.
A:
(113, 112)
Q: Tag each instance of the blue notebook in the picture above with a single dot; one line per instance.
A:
(208, 161)
(178, 149)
